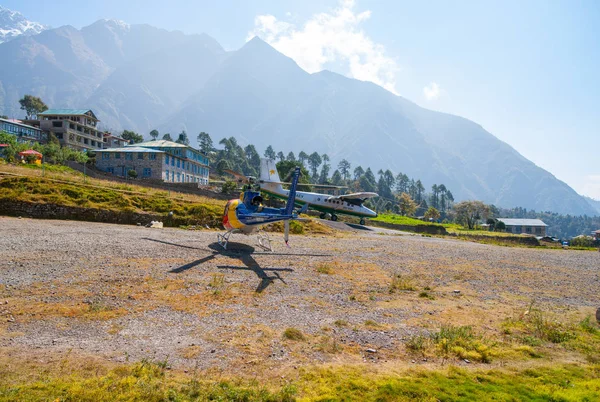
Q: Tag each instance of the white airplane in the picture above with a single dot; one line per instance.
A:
(347, 204)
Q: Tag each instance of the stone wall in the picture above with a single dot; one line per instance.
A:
(53, 211)
(122, 165)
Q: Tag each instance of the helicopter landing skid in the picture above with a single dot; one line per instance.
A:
(223, 239)
(264, 241)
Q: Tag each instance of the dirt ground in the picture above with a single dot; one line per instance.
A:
(126, 293)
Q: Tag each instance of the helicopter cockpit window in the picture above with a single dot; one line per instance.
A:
(257, 200)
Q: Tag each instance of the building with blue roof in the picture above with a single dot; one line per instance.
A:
(23, 132)
(160, 160)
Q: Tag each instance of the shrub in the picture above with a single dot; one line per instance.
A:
(324, 268)
(400, 282)
(294, 334)
(417, 343)
(229, 187)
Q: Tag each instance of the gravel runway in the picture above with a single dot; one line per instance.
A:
(124, 293)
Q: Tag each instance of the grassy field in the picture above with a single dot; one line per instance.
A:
(153, 381)
(405, 220)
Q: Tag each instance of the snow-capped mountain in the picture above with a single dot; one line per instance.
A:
(13, 24)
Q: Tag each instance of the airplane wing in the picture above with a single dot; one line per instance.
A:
(355, 198)
(239, 177)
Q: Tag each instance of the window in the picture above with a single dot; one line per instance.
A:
(140, 155)
(105, 155)
(172, 176)
(93, 143)
(172, 161)
(538, 230)
(129, 156)
(178, 163)
(57, 124)
(166, 175)
(110, 170)
(152, 157)
(178, 177)
(147, 172)
(187, 178)
(166, 159)
(117, 155)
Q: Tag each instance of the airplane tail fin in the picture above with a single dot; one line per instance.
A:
(289, 207)
(268, 170)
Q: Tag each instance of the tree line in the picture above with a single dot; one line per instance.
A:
(317, 169)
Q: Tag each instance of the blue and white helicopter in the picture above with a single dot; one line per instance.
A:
(246, 214)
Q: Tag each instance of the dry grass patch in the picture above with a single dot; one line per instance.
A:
(401, 282)
(190, 352)
(293, 334)
(328, 344)
(325, 268)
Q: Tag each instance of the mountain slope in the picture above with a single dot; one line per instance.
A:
(135, 77)
(55, 64)
(144, 91)
(594, 203)
(276, 103)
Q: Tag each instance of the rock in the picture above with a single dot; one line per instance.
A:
(371, 351)
(467, 361)
(456, 292)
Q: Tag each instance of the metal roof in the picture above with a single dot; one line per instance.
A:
(522, 222)
(162, 143)
(130, 149)
(19, 123)
(68, 112)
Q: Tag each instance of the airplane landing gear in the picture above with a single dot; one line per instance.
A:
(362, 221)
(323, 215)
(334, 217)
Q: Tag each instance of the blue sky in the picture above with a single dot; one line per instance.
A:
(527, 71)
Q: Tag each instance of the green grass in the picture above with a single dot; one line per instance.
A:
(459, 230)
(145, 381)
(151, 381)
(540, 329)
(53, 168)
(402, 220)
(45, 191)
(564, 383)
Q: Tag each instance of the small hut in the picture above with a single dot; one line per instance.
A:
(31, 156)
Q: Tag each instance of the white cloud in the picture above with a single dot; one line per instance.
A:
(432, 91)
(591, 186)
(331, 37)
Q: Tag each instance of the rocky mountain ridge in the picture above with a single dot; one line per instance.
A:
(13, 24)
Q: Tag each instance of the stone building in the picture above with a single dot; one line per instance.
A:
(23, 132)
(162, 160)
(533, 227)
(74, 128)
(114, 141)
